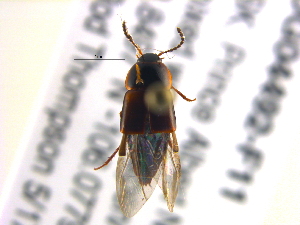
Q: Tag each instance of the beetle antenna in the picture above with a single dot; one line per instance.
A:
(129, 37)
(179, 45)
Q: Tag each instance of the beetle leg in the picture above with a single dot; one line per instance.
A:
(108, 160)
(182, 95)
(121, 149)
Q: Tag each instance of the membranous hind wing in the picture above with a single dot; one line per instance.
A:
(139, 170)
(170, 176)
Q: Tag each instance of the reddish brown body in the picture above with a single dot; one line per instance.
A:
(135, 114)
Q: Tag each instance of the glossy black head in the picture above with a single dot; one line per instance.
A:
(149, 58)
(149, 68)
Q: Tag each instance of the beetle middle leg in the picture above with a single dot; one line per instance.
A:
(182, 95)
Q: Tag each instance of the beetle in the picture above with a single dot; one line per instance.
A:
(148, 152)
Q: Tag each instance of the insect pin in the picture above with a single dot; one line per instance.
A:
(148, 152)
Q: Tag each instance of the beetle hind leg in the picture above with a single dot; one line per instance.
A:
(121, 149)
(108, 160)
